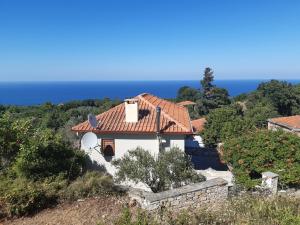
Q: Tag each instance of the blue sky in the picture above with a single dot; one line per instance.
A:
(148, 40)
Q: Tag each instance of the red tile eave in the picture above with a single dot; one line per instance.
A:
(112, 121)
(130, 132)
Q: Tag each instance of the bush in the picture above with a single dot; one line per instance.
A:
(22, 197)
(13, 133)
(260, 151)
(90, 184)
(46, 155)
(169, 169)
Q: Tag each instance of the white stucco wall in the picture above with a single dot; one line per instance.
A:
(170, 141)
(125, 142)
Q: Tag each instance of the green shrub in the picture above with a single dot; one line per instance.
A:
(256, 152)
(90, 184)
(171, 168)
(22, 197)
(46, 155)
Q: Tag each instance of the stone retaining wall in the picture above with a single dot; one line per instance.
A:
(207, 193)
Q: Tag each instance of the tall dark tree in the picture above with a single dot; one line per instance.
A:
(213, 97)
(207, 82)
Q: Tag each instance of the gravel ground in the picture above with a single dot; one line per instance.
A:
(86, 212)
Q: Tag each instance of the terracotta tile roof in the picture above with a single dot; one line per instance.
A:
(291, 122)
(198, 124)
(175, 119)
(185, 103)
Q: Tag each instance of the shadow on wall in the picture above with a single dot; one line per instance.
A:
(204, 158)
(93, 165)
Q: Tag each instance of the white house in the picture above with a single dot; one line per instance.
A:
(144, 121)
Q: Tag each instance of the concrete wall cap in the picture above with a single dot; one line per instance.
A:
(152, 197)
(269, 174)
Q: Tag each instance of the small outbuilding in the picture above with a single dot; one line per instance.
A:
(288, 124)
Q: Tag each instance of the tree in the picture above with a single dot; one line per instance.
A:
(187, 93)
(170, 169)
(281, 94)
(252, 153)
(207, 82)
(45, 155)
(260, 114)
(212, 97)
(223, 123)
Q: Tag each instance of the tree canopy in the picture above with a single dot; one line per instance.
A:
(207, 97)
(255, 152)
(171, 168)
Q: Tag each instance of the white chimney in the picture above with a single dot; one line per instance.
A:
(131, 110)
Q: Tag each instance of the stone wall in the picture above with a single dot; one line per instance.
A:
(207, 193)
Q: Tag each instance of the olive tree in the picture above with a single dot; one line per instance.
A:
(169, 169)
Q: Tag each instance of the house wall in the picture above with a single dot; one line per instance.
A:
(125, 142)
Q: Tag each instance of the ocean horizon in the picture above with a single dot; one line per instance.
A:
(38, 92)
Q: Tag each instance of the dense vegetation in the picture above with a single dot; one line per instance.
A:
(208, 97)
(240, 123)
(256, 152)
(247, 210)
(39, 162)
(171, 168)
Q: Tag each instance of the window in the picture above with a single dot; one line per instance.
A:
(108, 147)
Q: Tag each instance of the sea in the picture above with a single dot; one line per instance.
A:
(35, 93)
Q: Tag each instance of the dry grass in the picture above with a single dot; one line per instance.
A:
(87, 212)
(112, 210)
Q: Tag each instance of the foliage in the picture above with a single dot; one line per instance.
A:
(224, 123)
(22, 197)
(246, 210)
(260, 113)
(171, 168)
(256, 152)
(207, 98)
(213, 97)
(234, 120)
(45, 155)
(38, 159)
(12, 135)
(90, 184)
(187, 93)
(281, 94)
(207, 82)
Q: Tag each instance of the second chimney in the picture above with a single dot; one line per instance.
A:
(158, 110)
(131, 110)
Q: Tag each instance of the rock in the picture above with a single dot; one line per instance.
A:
(132, 203)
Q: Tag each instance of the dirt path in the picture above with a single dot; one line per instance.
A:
(87, 212)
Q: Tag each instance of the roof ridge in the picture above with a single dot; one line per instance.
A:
(141, 96)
